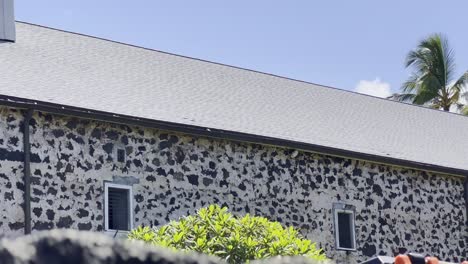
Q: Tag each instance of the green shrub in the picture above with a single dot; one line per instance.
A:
(214, 231)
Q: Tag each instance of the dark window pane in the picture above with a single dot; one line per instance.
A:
(121, 155)
(118, 209)
(345, 232)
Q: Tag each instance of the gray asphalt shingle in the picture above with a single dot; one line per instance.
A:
(70, 69)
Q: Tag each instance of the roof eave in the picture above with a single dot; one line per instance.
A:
(222, 134)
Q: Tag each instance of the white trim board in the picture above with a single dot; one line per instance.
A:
(108, 185)
(352, 228)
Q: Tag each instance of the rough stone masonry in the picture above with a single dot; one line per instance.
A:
(173, 174)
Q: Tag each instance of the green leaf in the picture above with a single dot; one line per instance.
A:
(215, 231)
(432, 82)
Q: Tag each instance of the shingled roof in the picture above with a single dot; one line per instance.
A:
(66, 69)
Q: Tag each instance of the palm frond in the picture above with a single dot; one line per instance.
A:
(460, 106)
(411, 85)
(457, 90)
(403, 97)
(434, 105)
(464, 95)
(464, 111)
(433, 65)
(460, 84)
(425, 97)
(439, 57)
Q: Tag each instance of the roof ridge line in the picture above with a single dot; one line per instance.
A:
(238, 67)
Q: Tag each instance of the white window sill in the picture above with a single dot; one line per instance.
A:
(346, 249)
(121, 234)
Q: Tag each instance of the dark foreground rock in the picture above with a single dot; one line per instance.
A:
(78, 247)
(74, 247)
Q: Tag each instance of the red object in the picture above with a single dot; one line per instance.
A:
(402, 259)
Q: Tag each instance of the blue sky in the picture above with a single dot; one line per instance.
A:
(344, 44)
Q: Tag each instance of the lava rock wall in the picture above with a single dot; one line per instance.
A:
(173, 174)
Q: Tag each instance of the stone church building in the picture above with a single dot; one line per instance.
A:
(104, 136)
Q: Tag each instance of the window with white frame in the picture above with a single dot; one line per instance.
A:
(345, 236)
(118, 207)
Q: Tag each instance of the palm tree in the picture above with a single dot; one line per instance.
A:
(464, 109)
(432, 82)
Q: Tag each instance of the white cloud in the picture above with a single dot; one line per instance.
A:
(375, 88)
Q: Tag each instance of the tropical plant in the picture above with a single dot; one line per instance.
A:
(432, 82)
(215, 231)
(464, 109)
